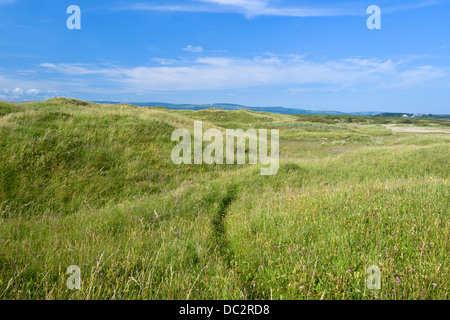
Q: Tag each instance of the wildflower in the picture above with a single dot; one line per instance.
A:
(423, 292)
(398, 280)
(435, 284)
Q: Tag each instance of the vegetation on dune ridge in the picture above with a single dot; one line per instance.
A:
(93, 185)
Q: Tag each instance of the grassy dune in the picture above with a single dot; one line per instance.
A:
(94, 186)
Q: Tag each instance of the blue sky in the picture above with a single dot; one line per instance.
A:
(305, 54)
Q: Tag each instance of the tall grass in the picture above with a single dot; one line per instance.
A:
(93, 185)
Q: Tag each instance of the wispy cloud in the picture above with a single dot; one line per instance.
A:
(287, 74)
(411, 5)
(268, 8)
(249, 8)
(195, 49)
(225, 73)
(252, 8)
(81, 69)
(17, 91)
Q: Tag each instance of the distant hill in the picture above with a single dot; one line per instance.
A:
(229, 106)
(411, 115)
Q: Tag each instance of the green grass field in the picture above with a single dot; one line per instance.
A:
(94, 186)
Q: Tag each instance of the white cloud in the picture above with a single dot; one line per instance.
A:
(250, 5)
(33, 91)
(421, 74)
(252, 8)
(163, 61)
(191, 48)
(78, 69)
(410, 5)
(264, 7)
(17, 91)
(249, 8)
(222, 73)
(226, 73)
